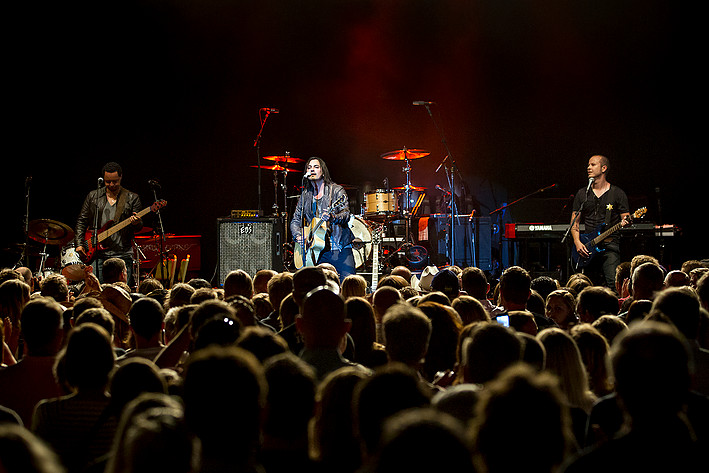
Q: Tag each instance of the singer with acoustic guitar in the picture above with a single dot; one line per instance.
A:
(320, 222)
(103, 207)
(601, 205)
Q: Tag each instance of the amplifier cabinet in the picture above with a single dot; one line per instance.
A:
(250, 244)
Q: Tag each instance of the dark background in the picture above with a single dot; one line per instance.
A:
(526, 92)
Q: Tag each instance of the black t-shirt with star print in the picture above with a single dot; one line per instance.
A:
(605, 209)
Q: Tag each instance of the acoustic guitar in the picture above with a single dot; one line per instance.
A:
(308, 251)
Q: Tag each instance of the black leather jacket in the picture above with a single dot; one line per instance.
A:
(121, 242)
(338, 226)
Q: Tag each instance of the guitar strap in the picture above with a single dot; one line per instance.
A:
(121, 204)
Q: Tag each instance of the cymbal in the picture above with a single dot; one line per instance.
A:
(284, 159)
(411, 188)
(275, 167)
(50, 232)
(402, 154)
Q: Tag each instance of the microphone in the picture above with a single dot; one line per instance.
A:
(100, 182)
(421, 102)
(270, 110)
(590, 183)
(307, 174)
(441, 165)
(154, 183)
(442, 190)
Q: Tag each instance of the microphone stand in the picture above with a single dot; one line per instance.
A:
(94, 235)
(451, 182)
(25, 226)
(257, 145)
(161, 234)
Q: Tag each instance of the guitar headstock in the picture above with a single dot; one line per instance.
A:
(158, 205)
(640, 213)
(339, 203)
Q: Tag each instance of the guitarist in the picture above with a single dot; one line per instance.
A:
(600, 204)
(319, 192)
(103, 205)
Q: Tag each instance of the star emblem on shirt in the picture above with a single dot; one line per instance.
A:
(609, 207)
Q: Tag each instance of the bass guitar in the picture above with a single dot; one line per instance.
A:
(92, 243)
(308, 251)
(592, 239)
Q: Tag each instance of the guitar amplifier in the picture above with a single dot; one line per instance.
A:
(250, 244)
(473, 240)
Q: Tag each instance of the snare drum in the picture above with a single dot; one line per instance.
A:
(362, 244)
(380, 203)
(72, 266)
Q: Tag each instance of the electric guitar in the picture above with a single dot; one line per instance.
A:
(109, 230)
(376, 241)
(592, 239)
(308, 251)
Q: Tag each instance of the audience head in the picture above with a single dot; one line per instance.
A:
(98, 316)
(676, 278)
(491, 348)
(22, 451)
(544, 285)
(146, 317)
(422, 439)
(470, 310)
(114, 270)
(14, 294)
(238, 282)
(515, 287)
(42, 327)
(595, 301)
(564, 360)
(353, 285)
(149, 285)
(681, 307)
(180, 294)
(648, 278)
(383, 299)
(519, 406)
(305, 280)
(703, 291)
(651, 368)
(407, 332)
(132, 378)
(198, 283)
(594, 350)
(474, 282)
(533, 351)
(56, 287)
(535, 303)
(561, 308)
(446, 282)
(288, 311)
(610, 326)
(402, 271)
(261, 279)
(224, 395)
(322, 322)
(261, 342)
(638, 310)
(88, 358)
(397, 282)
(443, 342)
(279, 286)
(391, 389)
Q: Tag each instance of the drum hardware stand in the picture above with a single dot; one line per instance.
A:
(257, 145)
(162, 263)
(25, 226)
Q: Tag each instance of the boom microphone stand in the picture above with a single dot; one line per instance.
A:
(257, 145)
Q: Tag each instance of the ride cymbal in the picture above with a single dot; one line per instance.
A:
(403, 154)
(275, 167)
(50, 232)
(283, 159)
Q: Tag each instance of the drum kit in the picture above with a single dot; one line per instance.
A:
(51, 233)
(379, 207)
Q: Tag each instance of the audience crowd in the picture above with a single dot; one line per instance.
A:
(287, 372)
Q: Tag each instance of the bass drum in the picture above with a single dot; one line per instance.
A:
(72, 266)
(362, 244)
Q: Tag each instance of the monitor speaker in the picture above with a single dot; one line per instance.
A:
(250, 244)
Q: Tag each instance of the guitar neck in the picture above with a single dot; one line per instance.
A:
(606, 234)
(121, 225)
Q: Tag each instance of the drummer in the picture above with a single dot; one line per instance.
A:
(113, 203)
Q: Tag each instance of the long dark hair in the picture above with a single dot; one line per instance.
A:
(323, 166)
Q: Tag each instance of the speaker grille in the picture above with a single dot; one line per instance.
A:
(249, 244)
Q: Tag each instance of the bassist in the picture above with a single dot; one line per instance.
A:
(600, 205)
(315, 202)
(111, 203)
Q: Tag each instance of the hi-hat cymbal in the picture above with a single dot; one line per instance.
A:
(411, 188)
(284, 159)
(403, 154)
(275, 167)
(50, 232)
